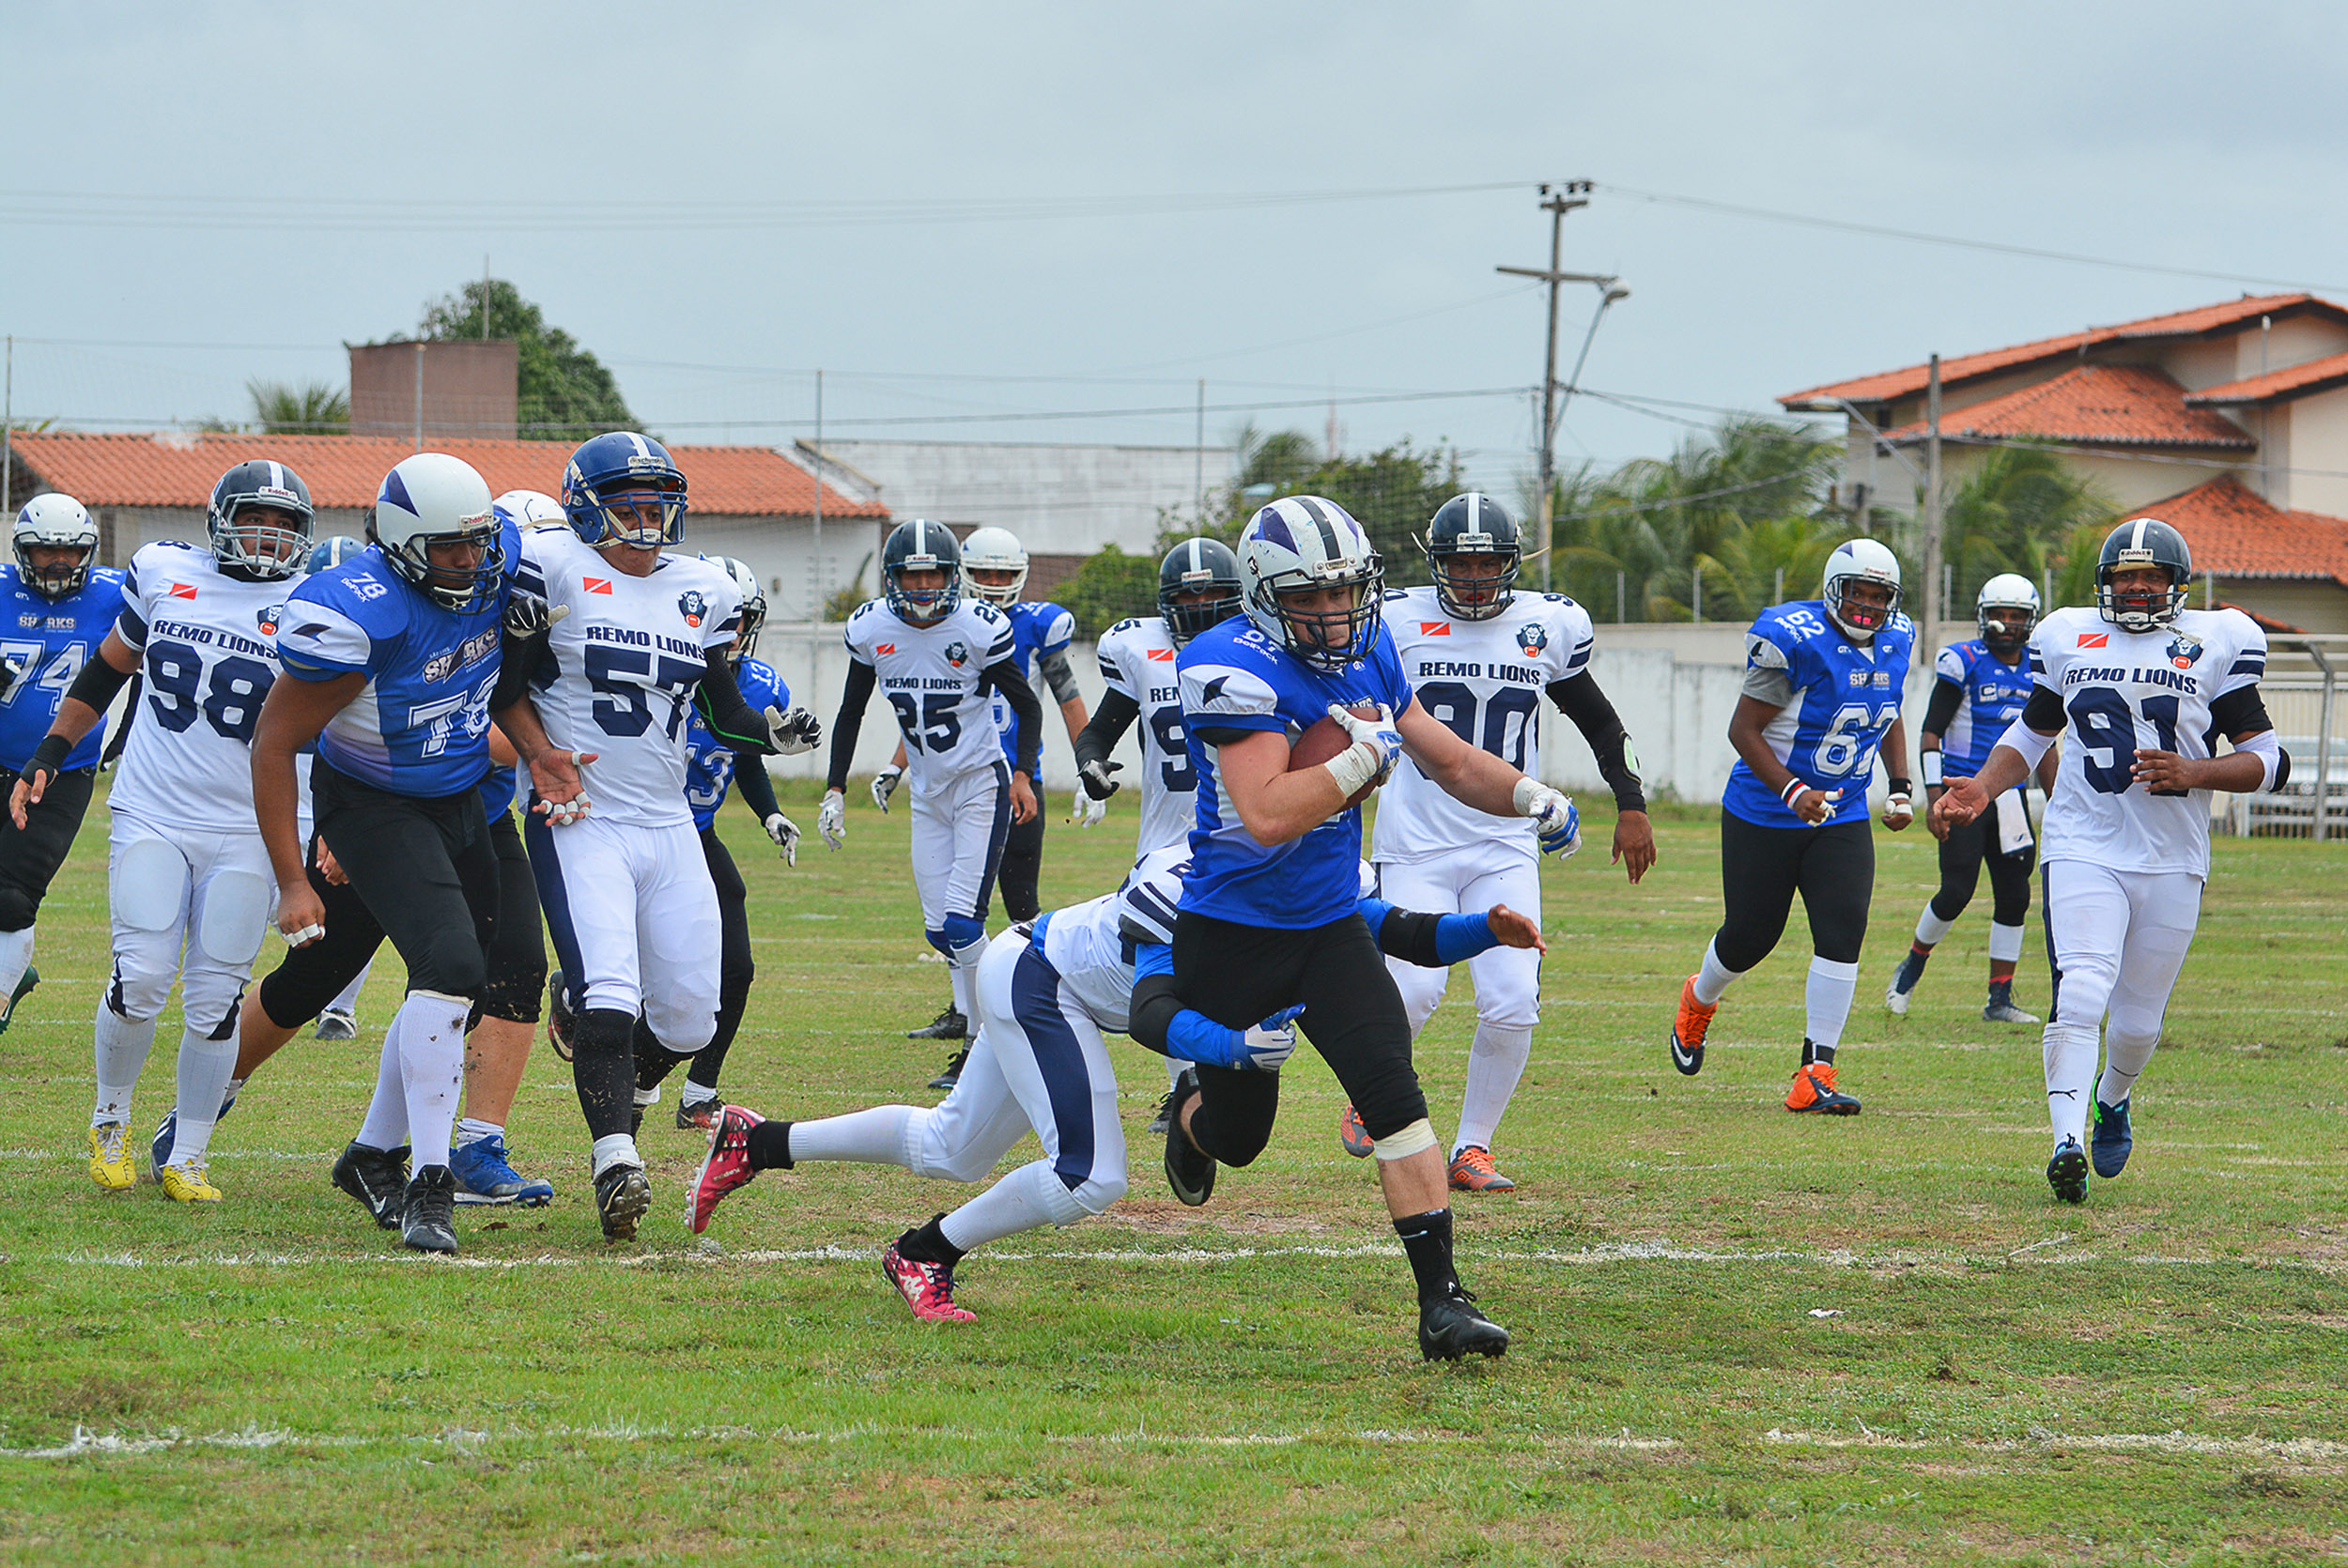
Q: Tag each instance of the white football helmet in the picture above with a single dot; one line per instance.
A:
(58, 521)
(529, 510)
(2007, 591)
(753, 598)
(434, 498)
(994, 549)
(1857, 560)
(1300, 543)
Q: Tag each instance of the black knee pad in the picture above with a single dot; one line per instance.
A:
(1391, 1101)
(17, 907)
(452, 965)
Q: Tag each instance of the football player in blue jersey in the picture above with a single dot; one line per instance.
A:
(394, 664)
(1980, 688)
(59, 607)
(712, 770)
(1823, 680)
(1269, 918)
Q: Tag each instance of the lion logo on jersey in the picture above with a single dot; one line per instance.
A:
(693, 607)
(2184, 652)
(956, 654)
(1531, 638)
(269, 619)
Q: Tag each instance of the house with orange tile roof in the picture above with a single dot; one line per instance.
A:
(2229, 421)
(752, 502)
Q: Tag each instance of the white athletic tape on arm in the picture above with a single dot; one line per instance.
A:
(2267, 749)
(2029, 743)
(1353, 768)
(1933, 775)
(1419, 1135)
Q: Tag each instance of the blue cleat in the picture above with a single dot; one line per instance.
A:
(2113, 1138)
(484, 1175)
(2066, 1173)
(1903, 980)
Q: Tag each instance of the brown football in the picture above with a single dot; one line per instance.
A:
(1325, 740)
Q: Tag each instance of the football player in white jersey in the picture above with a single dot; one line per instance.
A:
(1482, 656)
(2144, 686)
(936, 655)
(637, 638)
(188, 877)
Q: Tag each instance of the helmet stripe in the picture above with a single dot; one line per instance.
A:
(1319, 514)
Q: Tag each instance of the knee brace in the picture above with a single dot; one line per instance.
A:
(1418, 1136)
(961, 939)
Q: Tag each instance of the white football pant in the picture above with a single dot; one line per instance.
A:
(634, 918)
(2118, 940)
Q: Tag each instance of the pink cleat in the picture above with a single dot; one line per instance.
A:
(725, 1168)
(927, 1287)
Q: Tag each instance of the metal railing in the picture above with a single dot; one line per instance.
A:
(2301, 692)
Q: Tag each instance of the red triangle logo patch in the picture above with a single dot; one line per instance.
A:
(1166, 654)
(597, 585)
(1434, 628)
(2094, 639)
(182, 589)
(884, 647)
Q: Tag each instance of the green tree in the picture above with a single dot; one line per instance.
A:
(564, 393)
(313, 409)
(1391, 492)
(1109, 587)
(2019, 511)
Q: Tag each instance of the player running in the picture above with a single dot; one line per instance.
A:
(1823, 680)
(938, 655)
(1480, 656)
(60, 606)
(2145, 685)
(1980, 688)
(187, 877)
(1268, 916)
(637, 638)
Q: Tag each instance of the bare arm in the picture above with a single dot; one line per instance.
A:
(1275, 805)
(1468, 774)
(291, 717)
(1744, 733)
(553, 772)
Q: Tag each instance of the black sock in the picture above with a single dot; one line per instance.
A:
(604, 1069)
(928, 1244)
(1427, 1243)
(1812, 1052)
(2001, 990)
(654, 1060)
(769, 1147)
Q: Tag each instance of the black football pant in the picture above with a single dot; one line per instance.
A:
(1833, 867)
(30, 855)
(1964, 852)
(1023, 867)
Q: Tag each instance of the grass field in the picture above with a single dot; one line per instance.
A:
(1741, 1336)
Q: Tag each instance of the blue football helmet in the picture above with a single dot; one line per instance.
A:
(247, 547)
(2143, 541)
(918, 546)
(607, 468)
(333, 551)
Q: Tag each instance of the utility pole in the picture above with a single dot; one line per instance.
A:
(1198, 459)
(420, 395)
(1927, 628)
(818, 616)
(8, 428)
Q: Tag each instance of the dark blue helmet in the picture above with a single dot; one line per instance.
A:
(1188, 567)
(623, 464)
(918, 546)
(333, 551)
(1472, 524)
(255, 550)
(2143, 541)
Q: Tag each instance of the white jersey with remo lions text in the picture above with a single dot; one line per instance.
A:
(1091, 944)
(208, 653)
(930, 676)
(1137, 660)
(2122, 690)
(1485, 681)
(619, 671)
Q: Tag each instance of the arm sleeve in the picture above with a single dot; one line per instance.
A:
(1106, 728)
(758, 790)
(1947, 696)
(854, 694)
(1004, 677)
(1052, 664)
(718, 700)
(1154, 1002)
(2239, 713)
(519, 663)
(96, 685)
(2043, 711)
(1579, 699)
(1428, 941)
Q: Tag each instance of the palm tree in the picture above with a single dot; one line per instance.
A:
(313, 409)
(2020, 510)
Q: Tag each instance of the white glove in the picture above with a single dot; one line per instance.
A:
(832, 819)
(1269, 1044)
(1085, 811)
(786, 832)
(884, 785)
(12, 672)
(1377, 748)
(1556, 821)
(793, 732)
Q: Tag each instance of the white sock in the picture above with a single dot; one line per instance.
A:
(1714, 976)
(2125, 1062)
(469, 1130)
(16, 956)
(348, 1001)
(1828, 998)
(431, 1030)
(2005, 942)
(618, 1148)
(874, 1137)
(694, 1094)
(122, 1047)
(2069, 1050)
(386, 1124)
(1930, 928)
(960, 975)
(1019, 1202)
(1495, 1063)
(647, 1096)
(205, 1068)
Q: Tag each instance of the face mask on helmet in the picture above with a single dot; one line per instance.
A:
(1198, 588)
(260, 521)
(56, 543)
(621, 488)
(1311, 581)
(1474, 553)
(2155, 563)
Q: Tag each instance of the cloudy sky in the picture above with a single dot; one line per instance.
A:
(1048, 222)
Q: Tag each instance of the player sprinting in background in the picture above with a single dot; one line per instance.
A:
(712, 769)
(1823, 680)
(1480, 656)
(936, 655)
(58, 607)
(2143, 685)
(1981, 687)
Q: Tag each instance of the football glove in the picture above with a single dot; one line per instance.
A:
(1378, 734)
(832, 819)
(12, 672)
(884, 785)
(1087, 810)
(793, 732)
(527, 615)
(1556, 821)
(1097, 782)
(786, 832)
(1266, 1046)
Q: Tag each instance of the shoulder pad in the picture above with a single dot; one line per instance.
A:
(1125, 626)
(1394, 594)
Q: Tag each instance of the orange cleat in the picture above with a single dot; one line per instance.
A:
(1352, 1135)
(1689, 1029)
(1473, 1171)
(1813, 1090)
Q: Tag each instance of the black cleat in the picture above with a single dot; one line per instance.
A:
(1164, 1119)
(558, 1017)
(2066, 1173)
(428, 1221)
(336, 1024)
(622, 1197)
(24, 987)
(948, 1025)
(378, 1178)
(1189, 1171)
(953, 1075)
(1452, 1325)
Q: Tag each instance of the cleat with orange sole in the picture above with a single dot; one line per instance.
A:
(1695, 1021)
(1813, 1090)
(1473, 1171)
(1352, 1135)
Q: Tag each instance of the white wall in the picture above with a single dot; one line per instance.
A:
(1059, 498)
